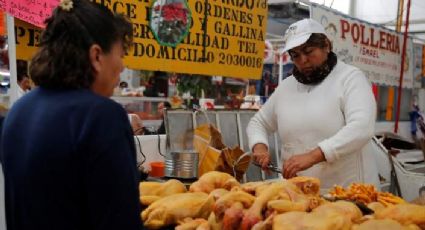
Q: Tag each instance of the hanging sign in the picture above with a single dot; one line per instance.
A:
(31, 11)
(374, 49)
(226, 38)
(417, 66)
(27, 38)
(231, 45)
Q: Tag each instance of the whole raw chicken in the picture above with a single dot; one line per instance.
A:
(404, 213)
(282, 196)
(341, 207)
(153, 191)
(386, 224)
(311, 221)
(213, 180)
(175, 208)
(230, 208)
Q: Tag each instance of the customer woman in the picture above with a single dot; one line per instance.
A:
(324, 114)
(67, 150)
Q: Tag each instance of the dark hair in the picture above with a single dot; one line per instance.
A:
(167, 105)
(22, 76)
(319, 40)
(62, 60)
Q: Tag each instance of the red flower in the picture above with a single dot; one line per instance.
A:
(174, 12)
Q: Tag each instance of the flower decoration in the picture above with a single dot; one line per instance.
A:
(170, 22)
(66, 5)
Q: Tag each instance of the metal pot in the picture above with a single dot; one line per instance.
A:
(183, 164)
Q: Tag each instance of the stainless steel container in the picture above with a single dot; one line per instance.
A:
(182, 164)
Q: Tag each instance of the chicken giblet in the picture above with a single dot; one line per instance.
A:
(175, 208)
(213, 180)
(153, 191)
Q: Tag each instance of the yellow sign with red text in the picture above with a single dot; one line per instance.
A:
(232, 44)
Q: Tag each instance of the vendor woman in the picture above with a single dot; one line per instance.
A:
(324, 114)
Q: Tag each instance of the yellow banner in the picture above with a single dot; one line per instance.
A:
(27, 39)
(232, 45)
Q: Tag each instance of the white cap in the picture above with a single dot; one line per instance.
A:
(299, 32)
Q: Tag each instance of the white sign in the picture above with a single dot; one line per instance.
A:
(374, 49)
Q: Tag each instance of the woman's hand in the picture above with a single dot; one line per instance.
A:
(261, 155)
(136, 124)
(302, 162)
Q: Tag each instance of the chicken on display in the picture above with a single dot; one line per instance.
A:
(218, 201)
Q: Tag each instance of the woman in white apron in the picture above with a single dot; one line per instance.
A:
(324, 114)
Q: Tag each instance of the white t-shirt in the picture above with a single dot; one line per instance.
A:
(338, 115)
(21, 92)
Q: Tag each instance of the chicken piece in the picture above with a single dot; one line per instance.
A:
(214, 223)
(266, 224)
(217, 193)
(311, 221)
(386, 224)
(376, 206)
(213, 180)
(153, 191)
(230, 208)
(233, 216)
(341, 207)
(404, 214)
(282, 190)
(175, 208)
(193, 224)
(228, 199)
(308, 185)
(253, 215)
(281, 206)
(251, 187)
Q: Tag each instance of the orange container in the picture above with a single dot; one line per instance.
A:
(157, 169)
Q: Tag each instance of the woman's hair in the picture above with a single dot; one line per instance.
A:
(62, 61)
(319, 40)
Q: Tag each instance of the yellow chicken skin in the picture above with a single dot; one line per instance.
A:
(386, 224)
(404, 214)
(308, 185)
(153, 191)
(175, 208)
(311, 221)
(282, 190)
(341, 207)
(213, 180)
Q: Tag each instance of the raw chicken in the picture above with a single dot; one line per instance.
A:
(230, 208)
(217, 193)
(213, 180)
(404, 214)
(227, 200)
(311, 221)
(376, 206)
(386, 224)
(255, 188)
(175, 208)
(308, 185)
(341, 207)
(153, 191)
(194, 224)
